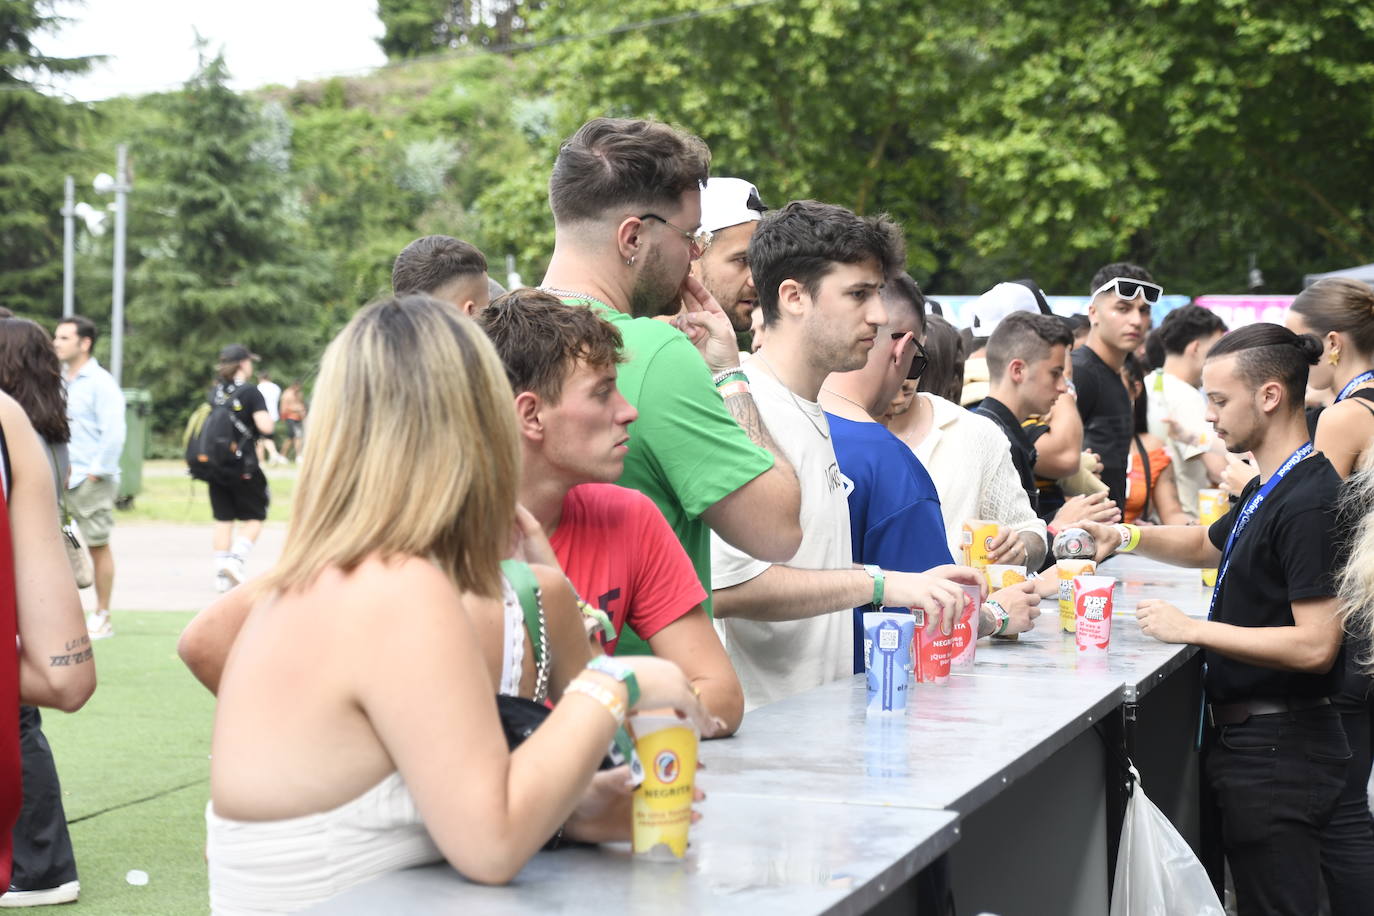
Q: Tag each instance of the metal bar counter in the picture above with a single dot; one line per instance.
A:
(748, 855)
(816, 808)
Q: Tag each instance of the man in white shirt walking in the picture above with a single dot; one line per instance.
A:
(95, 410)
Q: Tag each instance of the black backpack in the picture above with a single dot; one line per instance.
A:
(220, 447)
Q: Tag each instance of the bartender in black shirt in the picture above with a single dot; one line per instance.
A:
(1119, 313)
(1274, 751)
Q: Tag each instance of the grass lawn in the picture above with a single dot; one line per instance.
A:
(170, 495)
(134, 765)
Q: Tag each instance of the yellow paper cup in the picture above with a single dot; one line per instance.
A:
(667, 747)
(977, 535)
(1067, 570)
(1211, 505)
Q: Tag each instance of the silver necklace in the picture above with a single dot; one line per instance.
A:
(850, 400)
(573, 294)
(824, 434)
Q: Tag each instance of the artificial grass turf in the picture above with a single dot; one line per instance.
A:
(134, 765)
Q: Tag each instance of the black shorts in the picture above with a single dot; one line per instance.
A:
(243, 501)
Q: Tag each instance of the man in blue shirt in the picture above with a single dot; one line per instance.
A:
(894, 509)
(95, 410)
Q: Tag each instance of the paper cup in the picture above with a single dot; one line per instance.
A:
(1067, 570)
(1211, 505)
(667, 746)
(964, 639)
(978, 534)
(1092, 602)
(888, 643)
(1004, 576)
(932, 652)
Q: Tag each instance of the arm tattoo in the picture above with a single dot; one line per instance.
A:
(74, 658)
(78, 651)
(746, 413)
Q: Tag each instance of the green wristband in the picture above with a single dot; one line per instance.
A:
(622, 672)
(879, 583)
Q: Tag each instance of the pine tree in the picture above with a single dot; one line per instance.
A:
(35, 130)
(227, 268)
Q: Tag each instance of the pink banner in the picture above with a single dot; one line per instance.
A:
(1238, 311)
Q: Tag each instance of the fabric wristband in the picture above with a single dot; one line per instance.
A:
(730, 389)
(999, 614)
(1130, 538)
(879, 583)
(601, 695)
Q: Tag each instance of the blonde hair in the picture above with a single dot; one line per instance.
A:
(414, 450)
(1356, 580)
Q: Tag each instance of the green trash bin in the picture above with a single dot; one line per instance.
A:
(138, 405)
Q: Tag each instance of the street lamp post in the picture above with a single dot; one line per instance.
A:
(121, 187)
(69, 249)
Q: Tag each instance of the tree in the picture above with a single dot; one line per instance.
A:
(226, 265)
(36, 131)
(416, 27)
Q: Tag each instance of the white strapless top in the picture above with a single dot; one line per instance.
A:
(284, 866)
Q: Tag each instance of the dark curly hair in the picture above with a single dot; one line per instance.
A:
(31, 374)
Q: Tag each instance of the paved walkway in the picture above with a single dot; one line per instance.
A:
(166, 567)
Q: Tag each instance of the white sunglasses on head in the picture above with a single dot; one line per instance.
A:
(1129, 289)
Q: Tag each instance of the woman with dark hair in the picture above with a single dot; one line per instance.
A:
(44, 864)
(944, 375)
(39, 604)
(1151, 490)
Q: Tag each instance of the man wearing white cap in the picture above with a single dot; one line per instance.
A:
(730, 211)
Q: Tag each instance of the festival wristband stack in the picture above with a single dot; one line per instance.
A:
(731, 382)
(606, 698)
(1130, 537)
(999, 614)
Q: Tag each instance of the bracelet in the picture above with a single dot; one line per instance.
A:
(735, 374)
(730, 389)
(879, 584)
(999, 614)
(1130, 537)
(613, 704)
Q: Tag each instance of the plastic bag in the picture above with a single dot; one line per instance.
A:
(1157, 873)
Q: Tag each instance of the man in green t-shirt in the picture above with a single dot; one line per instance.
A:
(626, 201)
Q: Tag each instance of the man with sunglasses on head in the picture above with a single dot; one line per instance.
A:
(626, 201)
(1119, 313)
(819, 269)
(895, 519)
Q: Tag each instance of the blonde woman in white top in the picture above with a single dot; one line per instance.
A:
(356, 701)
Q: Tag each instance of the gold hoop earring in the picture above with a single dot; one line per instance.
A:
(1335, 357)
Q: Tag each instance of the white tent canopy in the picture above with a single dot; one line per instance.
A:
(1365, 273)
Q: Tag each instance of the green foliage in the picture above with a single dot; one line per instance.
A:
(416, 27)
(1037, 138)
(226, 267)
(36, 133)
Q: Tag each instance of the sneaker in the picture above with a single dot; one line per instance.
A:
(233, 571)
(63, 893)
(222, 582)
(98, 627)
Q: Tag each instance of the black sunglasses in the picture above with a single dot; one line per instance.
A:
(919, 361)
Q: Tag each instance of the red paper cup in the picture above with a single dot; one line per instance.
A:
(932, 652)
(964, 639)
(1092, 607)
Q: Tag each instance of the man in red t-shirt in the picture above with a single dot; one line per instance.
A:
(613, 543)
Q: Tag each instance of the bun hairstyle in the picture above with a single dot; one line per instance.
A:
(1340, 304)
(1269, 352)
